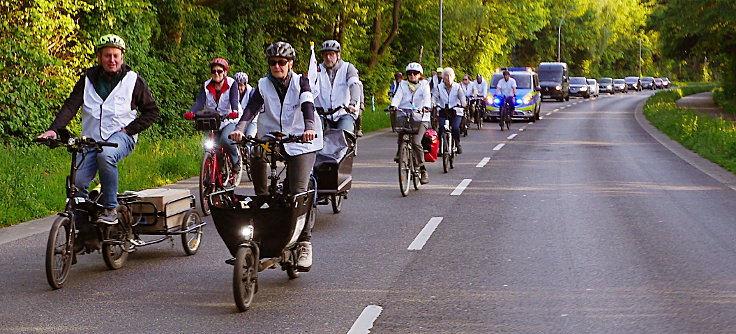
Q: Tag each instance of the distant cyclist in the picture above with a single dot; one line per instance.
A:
(246, 91)
(451, 95)
(339, 86)
(507, 89)
(481, 86)
(414, 93)
(469, 87)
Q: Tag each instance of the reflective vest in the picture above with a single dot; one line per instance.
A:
(101, 119)
(223, 106)
(336, 93)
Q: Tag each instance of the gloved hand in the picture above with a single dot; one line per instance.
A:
(233, 115)
(188, 115)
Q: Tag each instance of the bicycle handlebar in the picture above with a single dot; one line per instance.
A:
(321, 111)
(276, 137)
(81, 142)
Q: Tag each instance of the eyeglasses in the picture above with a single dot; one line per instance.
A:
(216, 71)
(281, 62)
(412, 73)
(466, 79)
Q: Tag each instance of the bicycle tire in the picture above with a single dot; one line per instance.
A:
(453, 150)
(246, 156)
(445, 152)
(336, 203)
(115, 255)
(193, 239)
(206, 182)
(59, 252)
(245, 278)
(404, 168)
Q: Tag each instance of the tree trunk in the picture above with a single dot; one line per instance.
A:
(378, 47)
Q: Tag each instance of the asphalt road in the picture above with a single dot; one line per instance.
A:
(580, 223)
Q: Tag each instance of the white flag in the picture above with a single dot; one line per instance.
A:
(312, 72)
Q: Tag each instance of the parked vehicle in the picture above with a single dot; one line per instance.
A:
(648, 83)
(619, 85)
(553, 80)
(658, 83)
(666, 82)
(633, 83)
(579, 87)
(593, 87)
(606, 85)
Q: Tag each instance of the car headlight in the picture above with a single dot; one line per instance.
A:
(583, 88)
(209, 144)
(527, 99)
(497, 101)
(609, 86)
(558, 87)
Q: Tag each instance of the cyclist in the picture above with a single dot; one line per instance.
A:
(507, 88)
(470, 89)
(246, 91)
(289, 108)
(451, 95)
(109, 95)
(398, 77)
(435, 80)
(339, 86)
(481, 86)
(220, 95)
(415, 93)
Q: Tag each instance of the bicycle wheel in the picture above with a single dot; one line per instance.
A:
(479, 119)
(245, 278)
(245, 154)
(414, 172)
(191, 240)
(464, 126)
(206, 182)
(445, 151)
(404, 171)
(336, 203)
(453, 148)
(59, 252)
(116, 245)
(239, 176)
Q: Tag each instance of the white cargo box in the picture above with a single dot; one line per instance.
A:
(163, 206)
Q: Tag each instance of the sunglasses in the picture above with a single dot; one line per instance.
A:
(281, 62)
(412, 73)
(216, 71)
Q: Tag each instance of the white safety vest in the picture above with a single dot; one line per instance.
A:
(419, 98)
(222, 107)
(101, 119)
(337, 93)
(482, 87)
(244, 102)
(450, 99)
(287, 118)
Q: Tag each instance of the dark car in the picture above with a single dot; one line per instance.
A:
(579, 87)
(633, 83)
(648, 83)
(606, 85)
(619, 85)
(553, 81)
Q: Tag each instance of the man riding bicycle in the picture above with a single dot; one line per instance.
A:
(451, 95)
(289, 108)
(339, 86)
(109, 94)
(220, 95)
(507, 89)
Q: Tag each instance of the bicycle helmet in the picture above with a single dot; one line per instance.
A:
(440, 69)
(330, 45)
(111, 40)
(281, 50)
(414, 67)
(241, 78)
(221, 62)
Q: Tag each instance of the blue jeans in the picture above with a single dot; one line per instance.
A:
(230, 147)
(345, 122)
(454, 124)
(106, 162)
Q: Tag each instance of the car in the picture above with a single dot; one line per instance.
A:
(648, 83)
(666, 82)
(579, 87)
(553, 81)
(658, 83)
(606, 85)
(593, 87)
(528, 102)
(633, 83)
(619, 85)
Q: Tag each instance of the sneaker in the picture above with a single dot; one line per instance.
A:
(459, 149)
(108, 216)
(423, 177)
(304, 262)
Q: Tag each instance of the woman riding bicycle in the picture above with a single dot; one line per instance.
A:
(451, 95)
(246, 91)
(414, 93)
(288, 108)
(211, 100)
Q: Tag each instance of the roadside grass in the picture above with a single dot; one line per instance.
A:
(32, 178)
(712, 138)
(375, 120)
(727, 104)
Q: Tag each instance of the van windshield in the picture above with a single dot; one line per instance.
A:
(578, 81)
(550, 75)
(523, 81)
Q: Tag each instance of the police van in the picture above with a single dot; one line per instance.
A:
(528, 102)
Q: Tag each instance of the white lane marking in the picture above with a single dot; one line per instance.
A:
(512, 136)
(365, 321)
(521, 129)
(483, 162)
(424, 235)
(558, 109)
(498, 147)
(461, 187)
(562, 108)
(547, 114)
(541, 117)
(530, 123)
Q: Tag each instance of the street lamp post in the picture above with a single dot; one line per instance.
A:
(440, 33)
(559, 31)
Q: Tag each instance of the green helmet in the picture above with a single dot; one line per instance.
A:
(111, 40)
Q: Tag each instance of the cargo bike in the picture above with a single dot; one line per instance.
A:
(261, 232)
(75, 232)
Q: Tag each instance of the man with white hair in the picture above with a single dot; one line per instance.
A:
(450, 95)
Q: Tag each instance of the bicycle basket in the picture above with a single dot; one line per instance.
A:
(406, 121)
(207, 122)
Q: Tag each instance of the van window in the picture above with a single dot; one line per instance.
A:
(523, 81)
(550, 74)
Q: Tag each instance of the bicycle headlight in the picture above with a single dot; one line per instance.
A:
(558, 87)
(209, 144)
(247, 233)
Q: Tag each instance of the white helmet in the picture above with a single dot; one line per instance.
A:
(330, 45)
(414, 67)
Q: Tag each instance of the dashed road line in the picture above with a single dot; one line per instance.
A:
(558, 109)
(483, 162)
(499, 146)
(547, 114)
(461, 187)
(366, 319)
(562, 108)
(424, 235)
(512, 136)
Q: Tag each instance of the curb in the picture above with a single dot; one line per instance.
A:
(704, 165)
